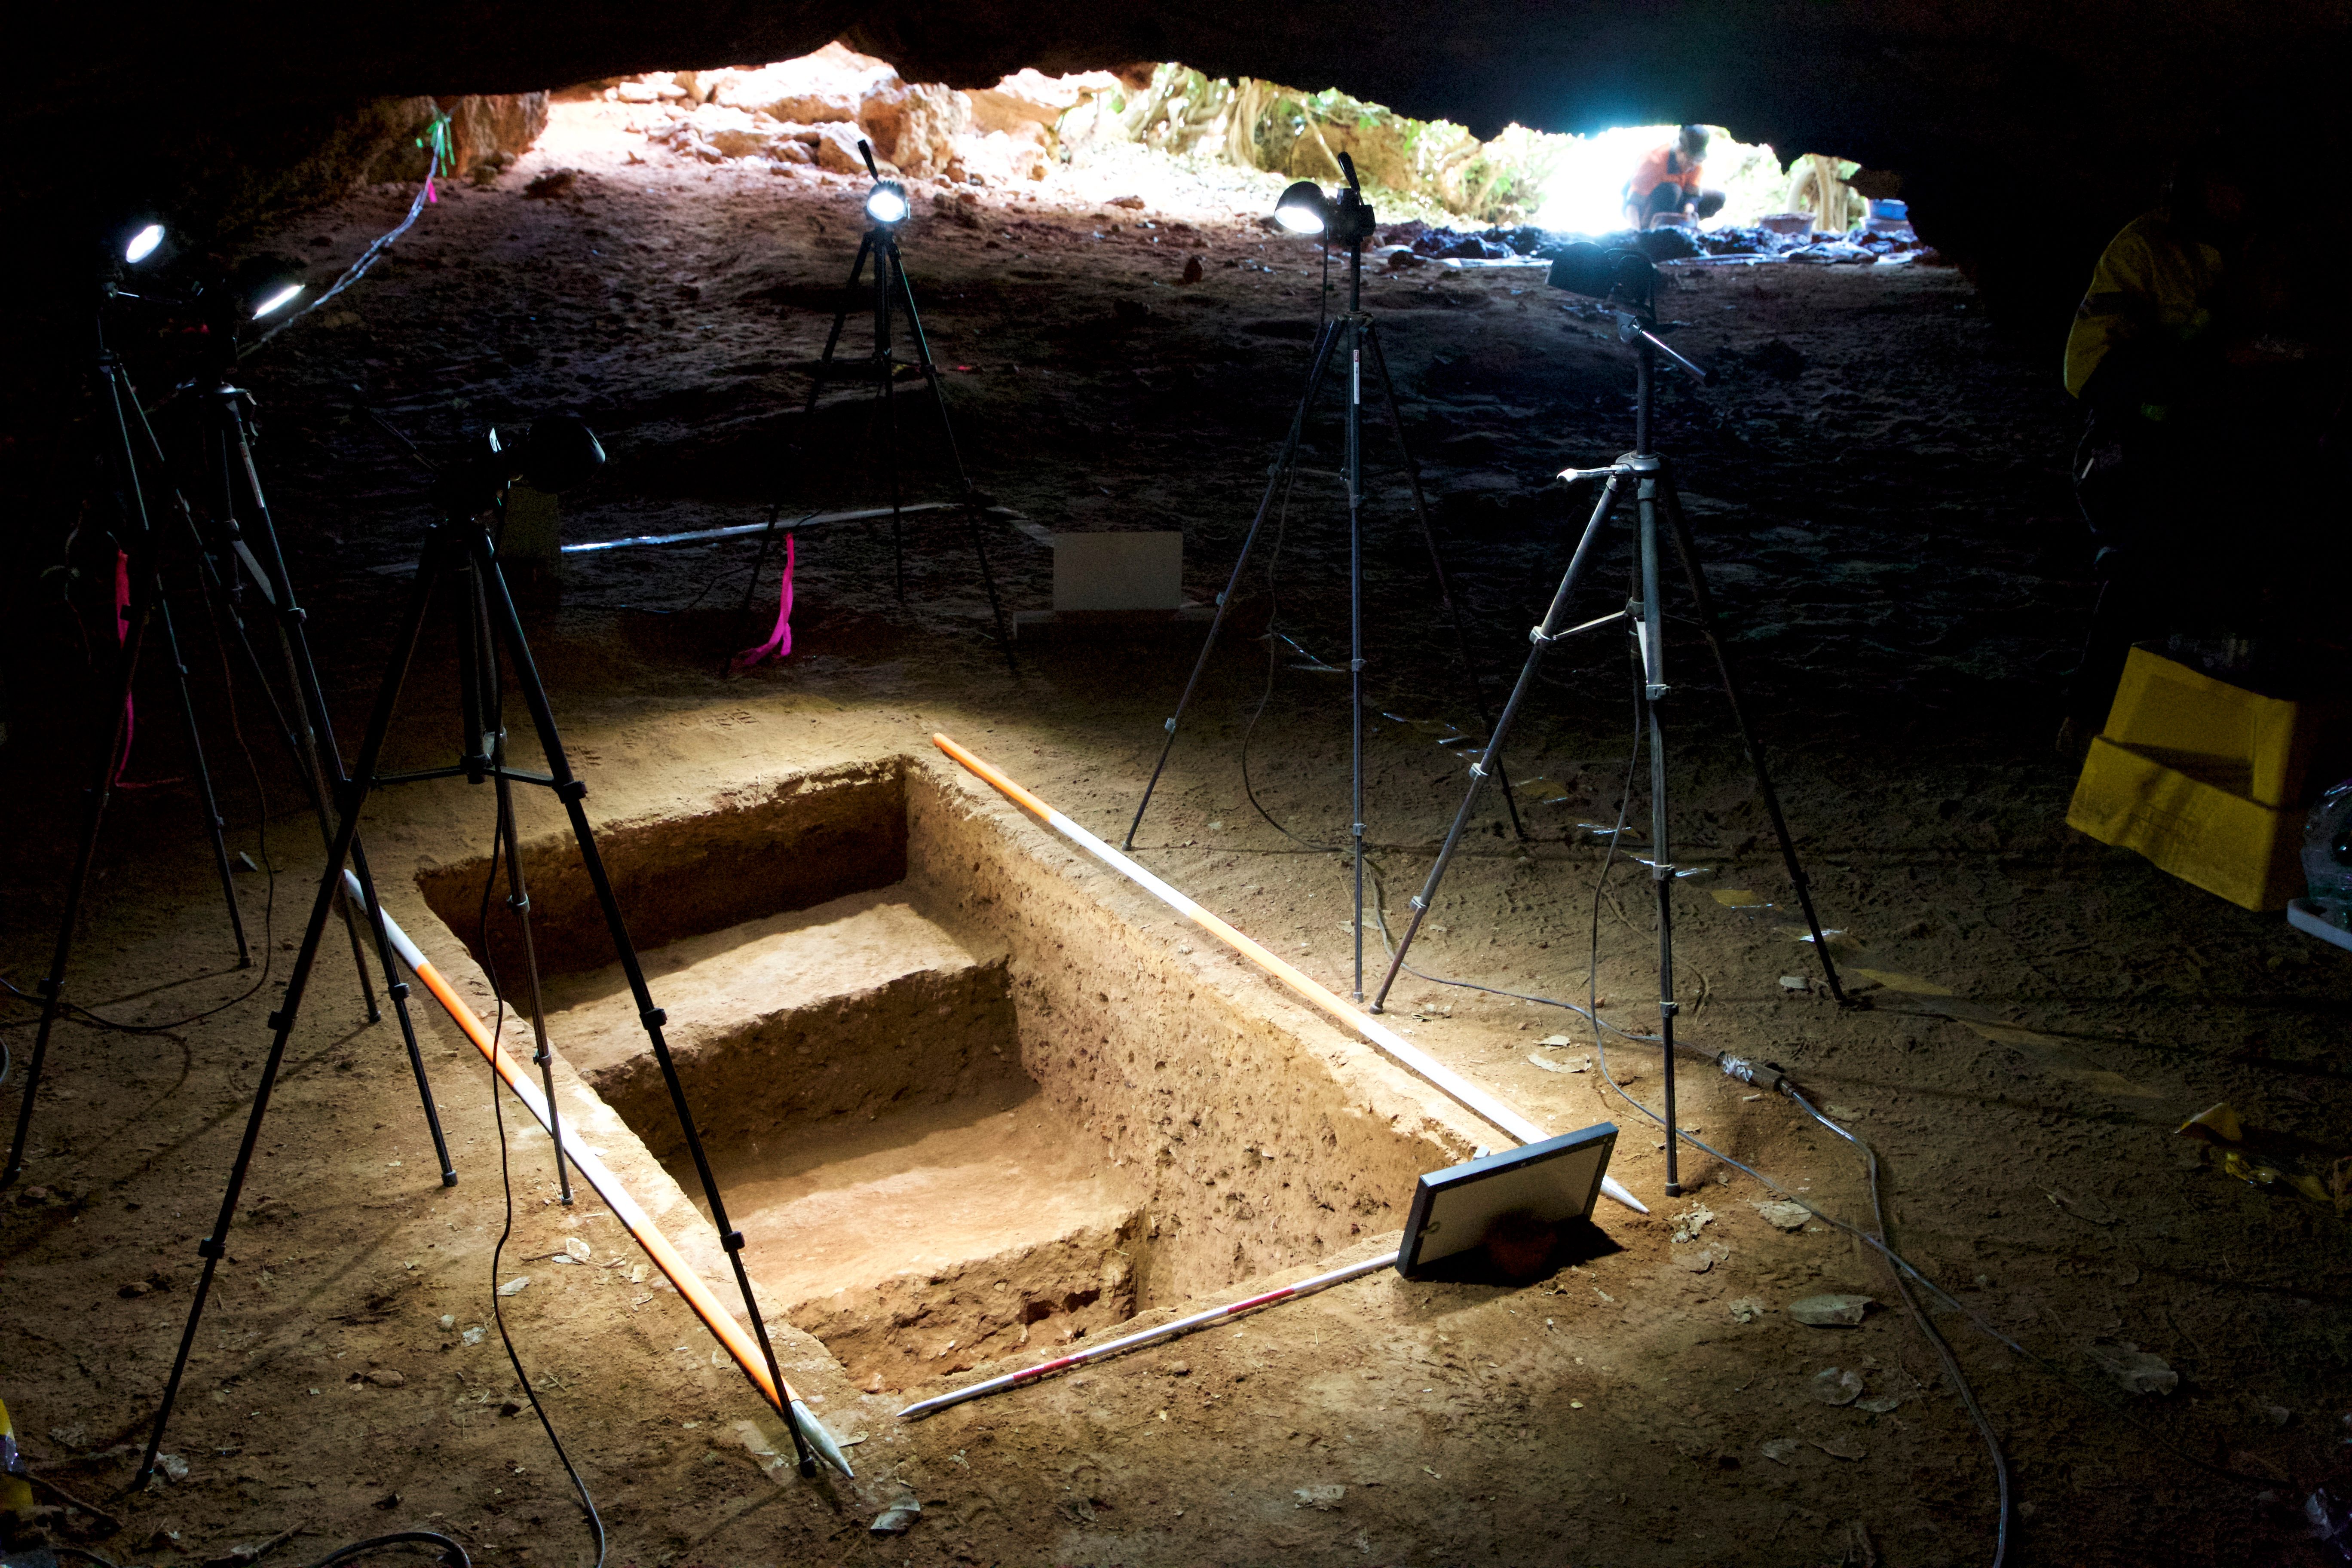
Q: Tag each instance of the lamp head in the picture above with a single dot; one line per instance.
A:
(558, 451)
(130, 238)
(263, 286)
(142, 244)
(886, 203)
(1304, 209)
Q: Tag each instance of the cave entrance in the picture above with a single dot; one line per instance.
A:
(958, 1106)
(1166, 138)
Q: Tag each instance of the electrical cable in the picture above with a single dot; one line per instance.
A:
(437, 138)
(498, 1112)
(397, 434)
(452, 1555)
(9, 991)
(1898, 1265)
(1323, 294)
(1936, 1340)
(1273, 656)
(1388, 945)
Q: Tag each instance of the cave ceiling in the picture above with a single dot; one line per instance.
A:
(2065, 113)
(1889, 82)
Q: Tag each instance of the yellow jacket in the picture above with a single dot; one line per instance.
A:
(2153, 294)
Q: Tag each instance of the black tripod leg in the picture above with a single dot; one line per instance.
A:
(1542, 637)
(1470, 670)
(1275, 478)
(281, 1022)
(304, 756)
(1653, 689)
(205, 797)
(397, 989)
(886, 388)
(101, 789)
(301, 737)
(808, 413)
(302, 744)
(1354, 460)
(571, 791)
(973, 517)
(1703, 599)
(519, 900)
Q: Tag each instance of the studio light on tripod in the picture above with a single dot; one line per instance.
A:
(276, 299)
(142, 244)
(886, 203)
(1304, 208)
(1347, 219)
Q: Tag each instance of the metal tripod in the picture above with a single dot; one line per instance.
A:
(891, 294)
(459, 546)
(1644, 614)
(131, 445)
(1355, 326)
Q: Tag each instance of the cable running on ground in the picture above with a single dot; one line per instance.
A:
(499, 847)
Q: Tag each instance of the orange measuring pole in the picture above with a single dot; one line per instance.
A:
(625, 1208)
(1395, 1046)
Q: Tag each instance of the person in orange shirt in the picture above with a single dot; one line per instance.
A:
(1668, 181)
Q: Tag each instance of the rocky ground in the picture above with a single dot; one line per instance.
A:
(1877, 478)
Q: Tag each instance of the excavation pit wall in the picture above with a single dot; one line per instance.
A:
(969, 1095)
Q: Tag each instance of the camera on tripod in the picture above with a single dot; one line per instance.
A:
(554, 452)
(1625, 278)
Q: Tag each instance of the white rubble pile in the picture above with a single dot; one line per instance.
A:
(813, 112)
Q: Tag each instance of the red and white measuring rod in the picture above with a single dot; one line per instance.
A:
(1396, 1045)
(1150, 1336)
(666, 1258)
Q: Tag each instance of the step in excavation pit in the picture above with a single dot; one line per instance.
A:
(968, 1097)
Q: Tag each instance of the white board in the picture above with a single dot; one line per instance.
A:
(1118, 571)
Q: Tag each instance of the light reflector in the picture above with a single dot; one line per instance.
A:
(1514, 1204)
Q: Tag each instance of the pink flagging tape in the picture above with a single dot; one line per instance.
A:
(780, 641)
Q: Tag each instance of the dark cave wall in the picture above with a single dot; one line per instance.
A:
(1992, 112)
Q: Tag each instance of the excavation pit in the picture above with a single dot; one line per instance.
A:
(964, 1093)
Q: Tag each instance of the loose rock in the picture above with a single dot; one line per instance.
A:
(2134, 1369)
(1832, 1387)
(1831, 1311)
(898, 1518)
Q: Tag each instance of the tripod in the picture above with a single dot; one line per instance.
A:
(129, 445)
(1350, 220)
(241, 516)
(491, 638)
(892, 293)
(1652, 479)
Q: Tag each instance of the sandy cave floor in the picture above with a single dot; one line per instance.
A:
(1887, 524)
